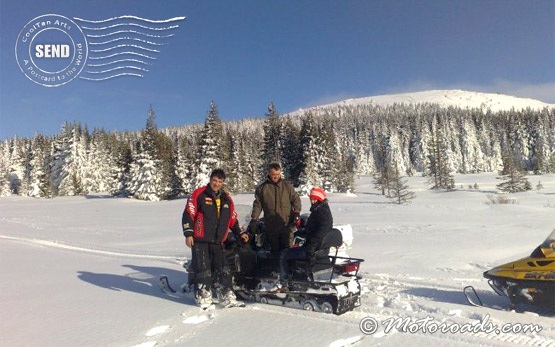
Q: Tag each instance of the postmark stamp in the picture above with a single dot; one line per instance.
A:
(51, 50)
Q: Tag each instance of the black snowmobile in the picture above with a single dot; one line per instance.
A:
(328, 282)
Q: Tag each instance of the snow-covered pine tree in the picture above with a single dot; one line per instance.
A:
(185, 156)
(60, 151)
(68, 158)
(98, 173)
(18, 168)
(513, 175)
(272, 137)
(171, 181)
(345, 166)
(309, 176)
(120, 172)
(153, 169)
(382, 162)
(291, 150)
(4, 164)
(211, 150)
(251, 162)
(40, 184)
(327, 155)
(439, 163)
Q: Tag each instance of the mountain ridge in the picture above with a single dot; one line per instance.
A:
(444, 97)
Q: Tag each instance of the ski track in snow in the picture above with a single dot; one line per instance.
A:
(66, 246)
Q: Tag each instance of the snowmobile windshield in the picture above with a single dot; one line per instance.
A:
(550, 241)
(547, 248)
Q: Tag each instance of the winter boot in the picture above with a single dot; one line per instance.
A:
(203, 298)
(228, 299)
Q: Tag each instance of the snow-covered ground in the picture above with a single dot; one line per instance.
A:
(83, 271)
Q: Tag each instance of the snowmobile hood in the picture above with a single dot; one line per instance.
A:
(540, 265)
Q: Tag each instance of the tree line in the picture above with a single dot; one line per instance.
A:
(324, 147)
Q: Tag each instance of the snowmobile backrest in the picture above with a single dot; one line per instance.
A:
(347, 234)
(333, 239)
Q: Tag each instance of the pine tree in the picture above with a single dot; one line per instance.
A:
(17, 170)
(327, 155)
(186, 157)
(291, 150)
(513, 175)
(272, 137)
(4, 164)
(153, 173)
(210, 152)
(121, 170)
(309, 175)
(68, 159)
(345, 167)
(439, 164)
(397, 188)
(40, 184)
(383, 167)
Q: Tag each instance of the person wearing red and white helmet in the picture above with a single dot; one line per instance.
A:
(318, 225)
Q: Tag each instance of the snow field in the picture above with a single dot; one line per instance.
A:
(84, 270)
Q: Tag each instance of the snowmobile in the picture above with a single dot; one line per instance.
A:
(328, 282)
(529, 280)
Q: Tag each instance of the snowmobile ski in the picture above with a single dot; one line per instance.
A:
(472, 297)
(164, 284)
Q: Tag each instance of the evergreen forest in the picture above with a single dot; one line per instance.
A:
(324, 147)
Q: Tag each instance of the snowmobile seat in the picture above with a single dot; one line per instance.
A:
(320, 265)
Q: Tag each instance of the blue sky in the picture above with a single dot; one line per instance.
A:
(299, 53)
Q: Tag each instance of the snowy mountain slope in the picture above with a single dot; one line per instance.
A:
(445, 98)
(82, 271)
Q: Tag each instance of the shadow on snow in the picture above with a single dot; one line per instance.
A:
(143, 280)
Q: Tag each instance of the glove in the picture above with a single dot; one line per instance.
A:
(253, 227)
(295, 219)
(245, 237)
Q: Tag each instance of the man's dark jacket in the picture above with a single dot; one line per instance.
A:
(277, 200)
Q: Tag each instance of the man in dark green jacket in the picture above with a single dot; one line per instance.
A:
(281, 205)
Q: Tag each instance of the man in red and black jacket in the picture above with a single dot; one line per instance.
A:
(207, 219)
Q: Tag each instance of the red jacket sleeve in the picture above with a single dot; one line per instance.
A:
(189, 213)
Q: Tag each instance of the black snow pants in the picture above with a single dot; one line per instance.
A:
(277, 233)
(210, 266)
